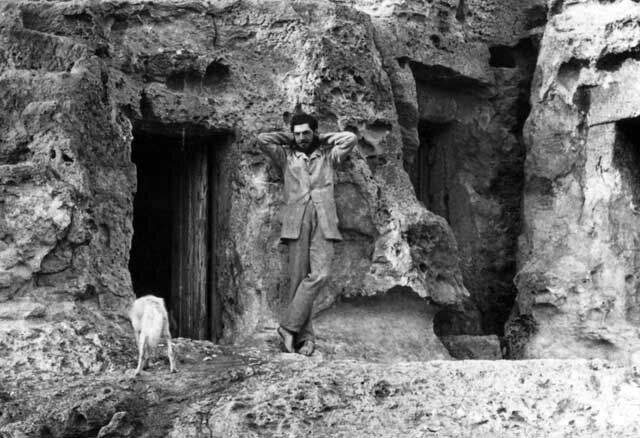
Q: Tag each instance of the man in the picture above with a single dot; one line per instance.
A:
(309, 219)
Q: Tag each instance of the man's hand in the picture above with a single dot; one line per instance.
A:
(271, 143)
(344, 138)
(341, 143)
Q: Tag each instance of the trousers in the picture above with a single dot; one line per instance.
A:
(309, 264)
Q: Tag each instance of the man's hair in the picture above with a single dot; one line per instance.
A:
(302, 118)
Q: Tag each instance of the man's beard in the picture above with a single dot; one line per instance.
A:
(308, 147)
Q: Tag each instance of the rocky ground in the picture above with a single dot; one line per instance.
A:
(256, 390)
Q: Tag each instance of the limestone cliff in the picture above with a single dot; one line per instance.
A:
(88, 88)
(127, 166)
(578, 277)
(461, 73)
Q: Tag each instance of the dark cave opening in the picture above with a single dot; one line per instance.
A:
(471, 174)
(150, 255)
(502, 56)
(626, 155)
(487, 258)
(177, 225)
(433, 168)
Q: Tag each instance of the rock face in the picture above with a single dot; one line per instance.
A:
(578, 265)
(461, 75)
(127, 166)
(100, 100)
(397, 326)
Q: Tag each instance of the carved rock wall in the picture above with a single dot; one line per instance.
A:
(461, 73)
(80, 80)
(578, 265)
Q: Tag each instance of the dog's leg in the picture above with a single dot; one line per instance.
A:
(172, 360)
(172, 363)
(141, 347)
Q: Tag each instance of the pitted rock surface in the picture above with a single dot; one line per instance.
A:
(578, 283)
(82, 82)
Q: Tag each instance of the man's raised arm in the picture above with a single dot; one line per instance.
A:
(271, 144)
(341, 143)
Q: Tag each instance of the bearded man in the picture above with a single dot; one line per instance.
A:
(309, 218)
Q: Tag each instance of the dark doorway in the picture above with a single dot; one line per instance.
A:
(176, 228)
(435, 168)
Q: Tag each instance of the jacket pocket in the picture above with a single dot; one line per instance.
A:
(291, 220)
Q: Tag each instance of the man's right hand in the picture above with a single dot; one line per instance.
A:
(271, 143)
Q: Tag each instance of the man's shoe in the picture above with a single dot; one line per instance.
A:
(287, 339)
(307, 348)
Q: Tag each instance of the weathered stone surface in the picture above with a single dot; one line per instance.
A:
(81, 80)
(394, 327)
(111, 403)
(67, 342)
(248, 391)
(577, 281)
(511, 399)
(460, 73)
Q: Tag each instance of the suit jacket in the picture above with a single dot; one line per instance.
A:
(308, 178)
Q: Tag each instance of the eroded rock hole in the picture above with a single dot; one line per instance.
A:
(178, 221)
(460, 12)
(582, 99)
(181, 80)
(215, 74)
(569, 71)
(15, 153)
(536, 16)
(193, 79)
(613, 61)
(556, 7)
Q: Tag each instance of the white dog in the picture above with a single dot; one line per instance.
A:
(150, 323)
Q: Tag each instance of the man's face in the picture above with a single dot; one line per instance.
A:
(303, 135)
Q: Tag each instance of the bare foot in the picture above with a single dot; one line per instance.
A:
(287, 339)
(132, 374)
(307, 348)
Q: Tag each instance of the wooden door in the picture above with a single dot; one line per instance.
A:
(190, 287)
(219, 203)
